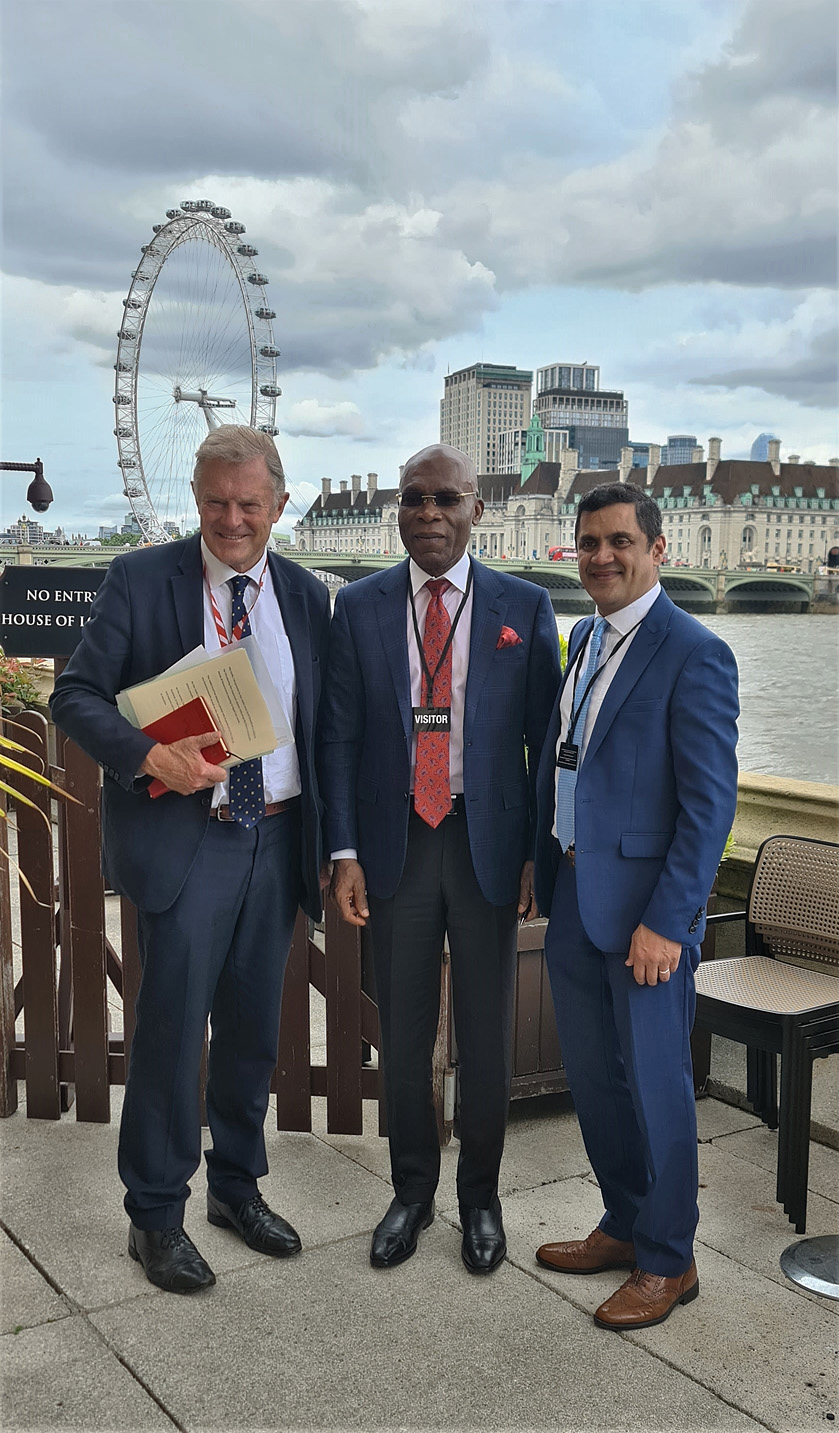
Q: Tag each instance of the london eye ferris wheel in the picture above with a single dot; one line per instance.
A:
(196, 349)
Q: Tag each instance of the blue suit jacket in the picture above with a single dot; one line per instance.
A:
(657, 789)
(147, 614)
(366, 726)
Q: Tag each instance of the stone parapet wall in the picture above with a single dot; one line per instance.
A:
(775, 806)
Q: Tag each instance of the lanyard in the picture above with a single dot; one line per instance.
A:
(575, 713)
(236, 632)
(431, 677)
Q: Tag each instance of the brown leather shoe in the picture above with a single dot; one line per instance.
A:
(647, 1299)
(587, 1256)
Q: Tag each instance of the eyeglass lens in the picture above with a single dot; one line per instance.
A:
(441, 500)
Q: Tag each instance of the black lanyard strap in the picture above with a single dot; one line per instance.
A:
(575, 714)
(431, 677)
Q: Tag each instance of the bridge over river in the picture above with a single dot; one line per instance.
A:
(698, 589)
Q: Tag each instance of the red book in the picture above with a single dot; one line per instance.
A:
(191, 719)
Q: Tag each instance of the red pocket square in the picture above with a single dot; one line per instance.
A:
(507, 638)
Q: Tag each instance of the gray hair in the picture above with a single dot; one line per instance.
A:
(235, 443)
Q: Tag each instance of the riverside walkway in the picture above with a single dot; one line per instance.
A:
(323, 1341)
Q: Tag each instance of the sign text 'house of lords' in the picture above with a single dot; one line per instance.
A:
(43, 609)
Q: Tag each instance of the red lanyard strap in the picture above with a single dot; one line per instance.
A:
(236, 633)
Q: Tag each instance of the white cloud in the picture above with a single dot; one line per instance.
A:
(312, 419)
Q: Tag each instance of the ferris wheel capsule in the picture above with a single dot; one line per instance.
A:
(204, 206)
(270, 390)
(219, 212)
(173, 213)
(234, 227)
(260, 279)
(269, 351)
(265, 313)
(247, 249)
(122, 400)
(189, 205)
(266, 428)
(127, 335)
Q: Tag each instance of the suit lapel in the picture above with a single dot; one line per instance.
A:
(188, 596)
(489, 608)
(292, 603)
(643, 647)
(391, 614)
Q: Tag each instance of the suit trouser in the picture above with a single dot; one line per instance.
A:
(626, 1049)
(220, 950)
(439, 894)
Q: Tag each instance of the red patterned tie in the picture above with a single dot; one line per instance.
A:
(432, 784)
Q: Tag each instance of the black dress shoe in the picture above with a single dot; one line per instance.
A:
(484, 1243)
(395, 1238)
(170, 1260)
(259, 1226)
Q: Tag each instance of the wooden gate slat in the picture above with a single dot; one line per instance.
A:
(37, 928)
(343, 1026)
(292, 1078)
(8, 1084)
(87, 939)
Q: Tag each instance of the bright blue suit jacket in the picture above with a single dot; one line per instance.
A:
(147, 614)
(657, 788)
(365, 750)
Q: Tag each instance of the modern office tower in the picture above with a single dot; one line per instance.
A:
(479, 404)
(640, 454)
(678, 449)
(569, 397)
(760, 447)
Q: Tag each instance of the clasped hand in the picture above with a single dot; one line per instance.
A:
(181, 767)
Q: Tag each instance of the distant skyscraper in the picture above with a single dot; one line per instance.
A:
(479, 404)
(678, 448)
(760, 447)
(568, 396)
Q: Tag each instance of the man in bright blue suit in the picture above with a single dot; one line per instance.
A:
(637, 790)
(442, 676)
(216, 866)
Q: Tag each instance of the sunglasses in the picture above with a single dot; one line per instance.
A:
(413, 499)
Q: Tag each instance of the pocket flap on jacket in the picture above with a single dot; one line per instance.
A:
(645, 843)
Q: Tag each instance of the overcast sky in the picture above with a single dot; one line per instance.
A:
(644, 184)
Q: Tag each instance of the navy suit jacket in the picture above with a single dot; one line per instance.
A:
(657, 788)
(366, 726)
(147, 614)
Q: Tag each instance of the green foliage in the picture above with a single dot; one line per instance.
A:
(563, 650)
(16, 685)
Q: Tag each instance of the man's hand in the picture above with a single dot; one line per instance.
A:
(181, 767)
(652, 957)
(349, 891)
(528, 909)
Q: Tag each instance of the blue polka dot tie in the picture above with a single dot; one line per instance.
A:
(245, 788)
(566, 781)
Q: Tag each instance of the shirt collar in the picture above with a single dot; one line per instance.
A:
(458, 575)
(629, 617)
(218, 572)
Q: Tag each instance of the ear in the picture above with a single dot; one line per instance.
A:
(281, 505)
(477, 511)
(658, 548)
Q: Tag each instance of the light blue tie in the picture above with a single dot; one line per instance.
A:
(566, 781)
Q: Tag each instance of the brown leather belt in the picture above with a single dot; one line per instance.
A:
(571, 856)
(273, 808)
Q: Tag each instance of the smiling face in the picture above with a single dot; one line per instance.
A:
(238, 506)
(617, 562)
(436, 538)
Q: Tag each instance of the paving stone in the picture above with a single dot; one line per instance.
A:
(424, 1346)
(713, 1119)
(760, 1146)
(26, 1298)
(80, 1232)
(62, 1376)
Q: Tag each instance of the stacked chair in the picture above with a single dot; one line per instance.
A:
(782, 997)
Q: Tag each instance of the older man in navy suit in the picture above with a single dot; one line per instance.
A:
(218, 865)
(637, 790)
(442, 676)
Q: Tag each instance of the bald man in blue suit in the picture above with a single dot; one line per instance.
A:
(636, 794)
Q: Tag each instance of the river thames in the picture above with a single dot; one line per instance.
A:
(789, 691)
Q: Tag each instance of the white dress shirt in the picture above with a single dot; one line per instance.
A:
(457, 577)
(280, 769)
(618, 624)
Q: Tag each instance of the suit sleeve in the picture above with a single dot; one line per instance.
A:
(83, 701)
(342, 724)
(703, 736)
(543, 678)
